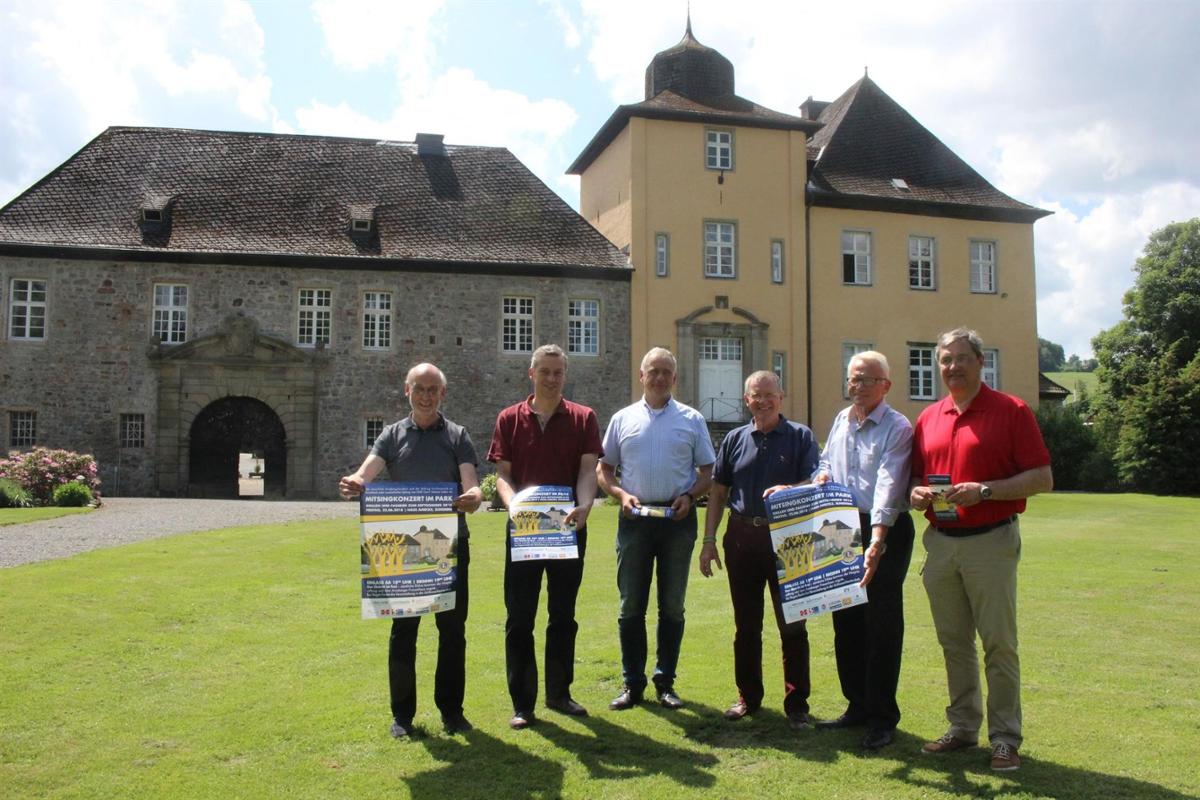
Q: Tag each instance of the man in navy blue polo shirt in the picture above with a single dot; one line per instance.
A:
(769, 454)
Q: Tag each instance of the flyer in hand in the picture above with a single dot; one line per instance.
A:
(409, 548)
(539, 529)
(818, 549)
(943, 509)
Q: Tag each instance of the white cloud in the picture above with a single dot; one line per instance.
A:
(360, 35)
(571, 35)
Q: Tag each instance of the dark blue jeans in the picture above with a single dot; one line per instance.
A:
(646, 545)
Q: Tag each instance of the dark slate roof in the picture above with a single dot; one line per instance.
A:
(690, 69)
(1049, 389)
(258, 197)
(868, 140)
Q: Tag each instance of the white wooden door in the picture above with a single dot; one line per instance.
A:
(720, 398)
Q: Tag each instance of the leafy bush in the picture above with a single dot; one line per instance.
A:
(488, 487)
(1082, 458)
(72, 495)
(42, 470)
(12, 495)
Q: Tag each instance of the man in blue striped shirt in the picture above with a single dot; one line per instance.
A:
(665, 457)
(868, 450)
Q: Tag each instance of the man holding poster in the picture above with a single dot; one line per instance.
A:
(545, 440)
(755, 460)
(985, 449)
(868, 451)
(426, 447)
(665, 456)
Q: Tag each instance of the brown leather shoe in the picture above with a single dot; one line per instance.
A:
(628, 698)
(566, 705)
(1005, 758)
(739, 709)
(521, 720)
(947, 743)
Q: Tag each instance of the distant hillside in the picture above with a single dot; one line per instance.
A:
(1073, 381)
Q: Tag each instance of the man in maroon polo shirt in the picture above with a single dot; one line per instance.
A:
(545, 440)
(983, 450)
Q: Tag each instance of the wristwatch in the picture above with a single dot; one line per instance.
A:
(985, 491)
(691, 497)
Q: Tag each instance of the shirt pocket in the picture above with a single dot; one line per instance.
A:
(868, 455)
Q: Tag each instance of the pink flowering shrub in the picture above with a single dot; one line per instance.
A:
(41, 471)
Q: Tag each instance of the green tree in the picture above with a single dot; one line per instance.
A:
(1050, 356)
(1148, 405)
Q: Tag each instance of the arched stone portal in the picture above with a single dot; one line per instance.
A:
(237, 364)
(225, 428)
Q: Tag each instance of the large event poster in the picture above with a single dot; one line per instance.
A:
(539, 529)
(818, 549)
(409, 548)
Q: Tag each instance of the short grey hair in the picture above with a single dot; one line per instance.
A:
(424, 366)
(659, 352)
(547, 350)
(870, 357)
(758, 376)
(969, 336)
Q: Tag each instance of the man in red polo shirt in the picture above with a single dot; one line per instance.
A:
(982, 450)
(545, 440)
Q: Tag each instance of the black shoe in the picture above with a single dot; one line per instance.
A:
(877, 739)
(457, 724)
(521, 720)
(799, 721)
(565, 705)
(739, 709)
(628, 698)
(401, 729)
(844, 721)
(668, 699)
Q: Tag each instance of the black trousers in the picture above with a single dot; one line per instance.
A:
(868, 639)
(450, 680)
(522, 587)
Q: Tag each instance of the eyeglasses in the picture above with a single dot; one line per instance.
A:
(858, 380)
(429, 390)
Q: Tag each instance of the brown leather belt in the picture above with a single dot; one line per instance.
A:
(757, 522)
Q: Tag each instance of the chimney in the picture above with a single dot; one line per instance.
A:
(430, 144)
(811, 109)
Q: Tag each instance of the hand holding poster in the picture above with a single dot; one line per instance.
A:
(818, 549)
(409, 548)
(539, 529)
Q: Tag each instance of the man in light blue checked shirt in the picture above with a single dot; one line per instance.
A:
(665, 457)
(868, 450)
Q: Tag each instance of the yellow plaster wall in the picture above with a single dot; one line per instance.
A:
(891, 315)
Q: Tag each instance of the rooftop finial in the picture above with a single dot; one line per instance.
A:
(689, 18)
(866, 73)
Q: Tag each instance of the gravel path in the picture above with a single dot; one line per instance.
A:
(122, 520)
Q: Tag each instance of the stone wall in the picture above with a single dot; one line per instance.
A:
(98, 359)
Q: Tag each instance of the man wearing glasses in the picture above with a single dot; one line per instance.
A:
(425, 446)
(984, 450)
(769, 454)
(868, 451)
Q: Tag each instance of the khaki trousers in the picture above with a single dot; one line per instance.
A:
(972, 586)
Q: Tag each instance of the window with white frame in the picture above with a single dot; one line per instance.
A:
(849, 351)
(983, 267)
(920, 262)
(516, 333)
(991, 368)
(776, 261)
(22, 428)
(718, 149)
(662, 254)
(720, 250)
(315, 319)
(921, 372)
(27, 309)
(131, 431)
(170, 312)
(372, 427)
(377, 320)
(856, 257)
(778, 366)
(583, 327)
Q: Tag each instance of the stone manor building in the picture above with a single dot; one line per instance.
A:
(170, 298)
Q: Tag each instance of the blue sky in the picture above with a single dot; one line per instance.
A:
(1088, 109)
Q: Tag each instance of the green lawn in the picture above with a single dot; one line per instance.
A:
(233, 664)
(1074, 381)
(13, 516)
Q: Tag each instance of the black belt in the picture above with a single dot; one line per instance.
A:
(958, 533)
(758, 522)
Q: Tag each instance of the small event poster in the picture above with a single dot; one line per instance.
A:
(818, 549)
(539, 529)
(943, 509)
(409, 548)
(653, 512)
